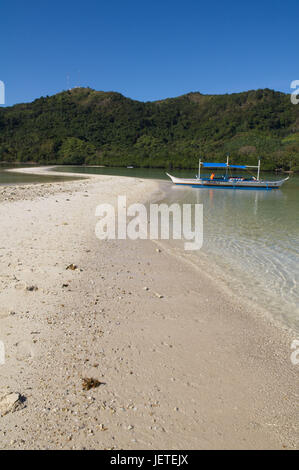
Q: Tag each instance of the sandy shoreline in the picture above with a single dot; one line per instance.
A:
(193, 369)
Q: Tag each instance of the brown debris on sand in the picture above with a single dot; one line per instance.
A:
(31, 288)
(89, 383)
(72, 267)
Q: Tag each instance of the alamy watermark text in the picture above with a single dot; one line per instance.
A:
(160, 221)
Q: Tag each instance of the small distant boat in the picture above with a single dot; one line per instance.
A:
(227, 180)
(130, 166)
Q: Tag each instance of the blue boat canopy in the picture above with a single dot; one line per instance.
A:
(222, 165)
(242, 167)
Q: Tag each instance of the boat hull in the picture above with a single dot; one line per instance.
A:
(237, 184)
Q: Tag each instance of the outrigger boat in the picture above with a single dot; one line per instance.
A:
(227, 180)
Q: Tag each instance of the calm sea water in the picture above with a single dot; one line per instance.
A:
(9, 178)
(250, 237)
(253, 238)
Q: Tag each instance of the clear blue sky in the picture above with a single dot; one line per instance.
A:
(147, 50)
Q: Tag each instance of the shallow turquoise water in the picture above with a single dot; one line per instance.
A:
(253, 237)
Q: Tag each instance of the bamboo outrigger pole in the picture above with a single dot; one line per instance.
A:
(259, 169)
(227, 164)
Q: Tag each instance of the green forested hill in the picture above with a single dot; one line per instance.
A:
(86, 126)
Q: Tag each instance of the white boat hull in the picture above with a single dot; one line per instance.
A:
(230, 183)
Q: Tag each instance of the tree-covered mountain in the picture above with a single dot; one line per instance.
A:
(84, 126)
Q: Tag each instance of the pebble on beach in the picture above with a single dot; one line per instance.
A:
(10, 402)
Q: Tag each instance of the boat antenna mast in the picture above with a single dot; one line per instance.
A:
(199, 165)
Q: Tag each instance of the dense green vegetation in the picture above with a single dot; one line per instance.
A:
(83, 126)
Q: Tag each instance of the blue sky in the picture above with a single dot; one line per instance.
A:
(147, 50)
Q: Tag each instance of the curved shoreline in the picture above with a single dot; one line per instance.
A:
(183, 365)
(257, 309)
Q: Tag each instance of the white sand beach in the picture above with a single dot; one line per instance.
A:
(181, 363)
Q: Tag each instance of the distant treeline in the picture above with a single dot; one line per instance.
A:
(83, 126)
